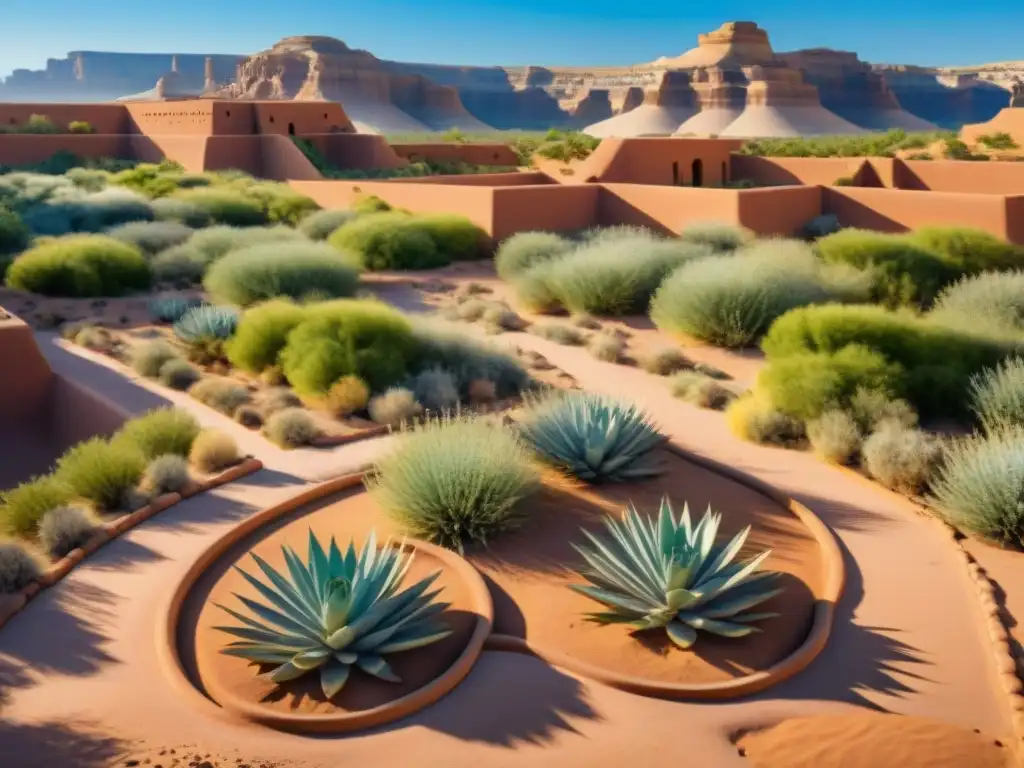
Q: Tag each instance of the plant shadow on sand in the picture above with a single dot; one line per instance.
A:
(51, 744)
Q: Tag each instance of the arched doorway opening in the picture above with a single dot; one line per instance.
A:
(697, 171)
(675, 174)
(291, 129)
(725, 174)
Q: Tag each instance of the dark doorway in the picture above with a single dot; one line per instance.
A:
(675, 174)
(291, 129)
(725, 174)
(697, 169)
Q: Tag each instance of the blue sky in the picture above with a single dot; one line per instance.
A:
(552, 32)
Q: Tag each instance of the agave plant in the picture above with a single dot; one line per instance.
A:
(335, 611)
(206, 322)
(593, 437)
(666, 573)
(171, 309)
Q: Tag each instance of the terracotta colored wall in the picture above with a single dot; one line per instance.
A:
(23, 149)
(793, 170)
(993, 177)
(666, 209)
(780, 210)
(652, 160)
(190, 151)
(512, 179)
(897, 210)
(104, 118)
(474, 154)
(356, 150)
(552, 207)
(77, 414)
(233, 118)
(192, 117)
(241, 153)
(25, 386)
(281, 159)
(300, 117)
(1015, 219)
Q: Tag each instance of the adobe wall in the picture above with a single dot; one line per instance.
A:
(189, 151)
(793, 170)
(24, 387)
(1015, 219)
(355, 150)
(280, 159)
(898, 210)
(966, 176)
(104, 118)
(28, 149)
(190, 117)
(780, 211)
(298, 117)
(663, 161)
(511, 179)
(665, 208)
(553, 208)
(473, 154)
(76, 414)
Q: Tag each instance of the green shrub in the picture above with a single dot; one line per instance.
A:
(370, 204)
(249, 417)
(455, 481)
(527, 249)
(322, 224)
(821, 226)
(347, 395)
(223, 395)
(225, 206)
(170, 309)
(753, 418)
(607, 347)
(160, 432)
(262, 333)
(871, 408)
(558, 333)
(901, 459)
(992, 301)
(79, 211)
(68, 527)
(937, 362)
(80, 266)
(277, 399)
(291, 428)
(166, 474)
(181, 211)
(500, 318)
(532, 290)
(20, 565)
(14, 235)
(213, 451)
(101, 471)
(22, 508)
(436, 389)
(731, 301)
(205, 323)
(979, 486)
(209, 245)
(280, 203)
(178, 374)
(364, 338)
(664, 361)
(149, 358)
(905, 271)
(835, 436)
(390, 240)
(176, 267)
(151, 237)
(997, 396)
(969, 251)
(292, 270)
(806, 384)
(394, 407)
(456, 237)
(700, 390)
(718, 236)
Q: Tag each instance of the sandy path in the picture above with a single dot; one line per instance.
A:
(80, 682)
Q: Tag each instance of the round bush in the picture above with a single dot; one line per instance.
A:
(390, 240)
(223, 395)
(731, 301)
(262, 333)
(20, 565)
(900, 458)
(347, 337)
(22, 508)
(213, 243)
(322, 224)
(394, 407)
(149, 358)
(719, 236)
(456, 237)
(100, 471)
(179, 374)
(69, 527)
(14, 235)
(292, 270)
(151, 237)
(990, 301)
(214, 451)
(225, 206)
(970, 250)
(166, 474)
(753, 418)
(160, 432)
(835, 436)
(997, 396)
(181, 211)
(527, 249)
(291, 428)
(80, 266)
(346, 396)
(455, 481)
(436, 389)
(282, 204)
(176, 266)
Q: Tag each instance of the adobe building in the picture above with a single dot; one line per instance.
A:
(664, 183)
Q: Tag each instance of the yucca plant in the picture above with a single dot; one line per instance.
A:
(171, 309)
(593, 437)
(667, 573)
(334, 612)
(206, 322)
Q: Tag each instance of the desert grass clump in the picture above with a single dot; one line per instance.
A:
(471, 310)
(101, 471)
(969, 251)
(179, 374)
(436, 389)
(226, 206)
(347, 395)
(990, 301)
(700, 390)
(997, 395)
(262, 333)
(395, 407)
(389, 240)
(456, 480)
(607, 347)
(664, 361)
(901, 459)
(277, 399)
(558, 333)
(160, 432)
(456, 237)
(223, 395)
(149, 358)
(464, 357)
(176, 267)
(871, 408)
(171, 209)
(752, 418)
(320, 225)
(67, 527)
(166, 474)
(835, 436)
(291, 428)
(21, 564)
(151, 237)
(80, 266)
(499, 318)
(213, 451)
(249, 417)
(22, 507)
(524, 250)
(293, 270)
(981, 483)
(534, 292)
(95, 338)
(719, 236)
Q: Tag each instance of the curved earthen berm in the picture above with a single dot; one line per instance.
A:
(83, 680)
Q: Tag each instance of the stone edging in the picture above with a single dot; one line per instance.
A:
(171, 663)
(817, 636)
(11, 604)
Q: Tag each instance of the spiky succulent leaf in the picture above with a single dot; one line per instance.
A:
(206, 322)
(593, 437)
(333, 612)
(663, 572)
(171, 309)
